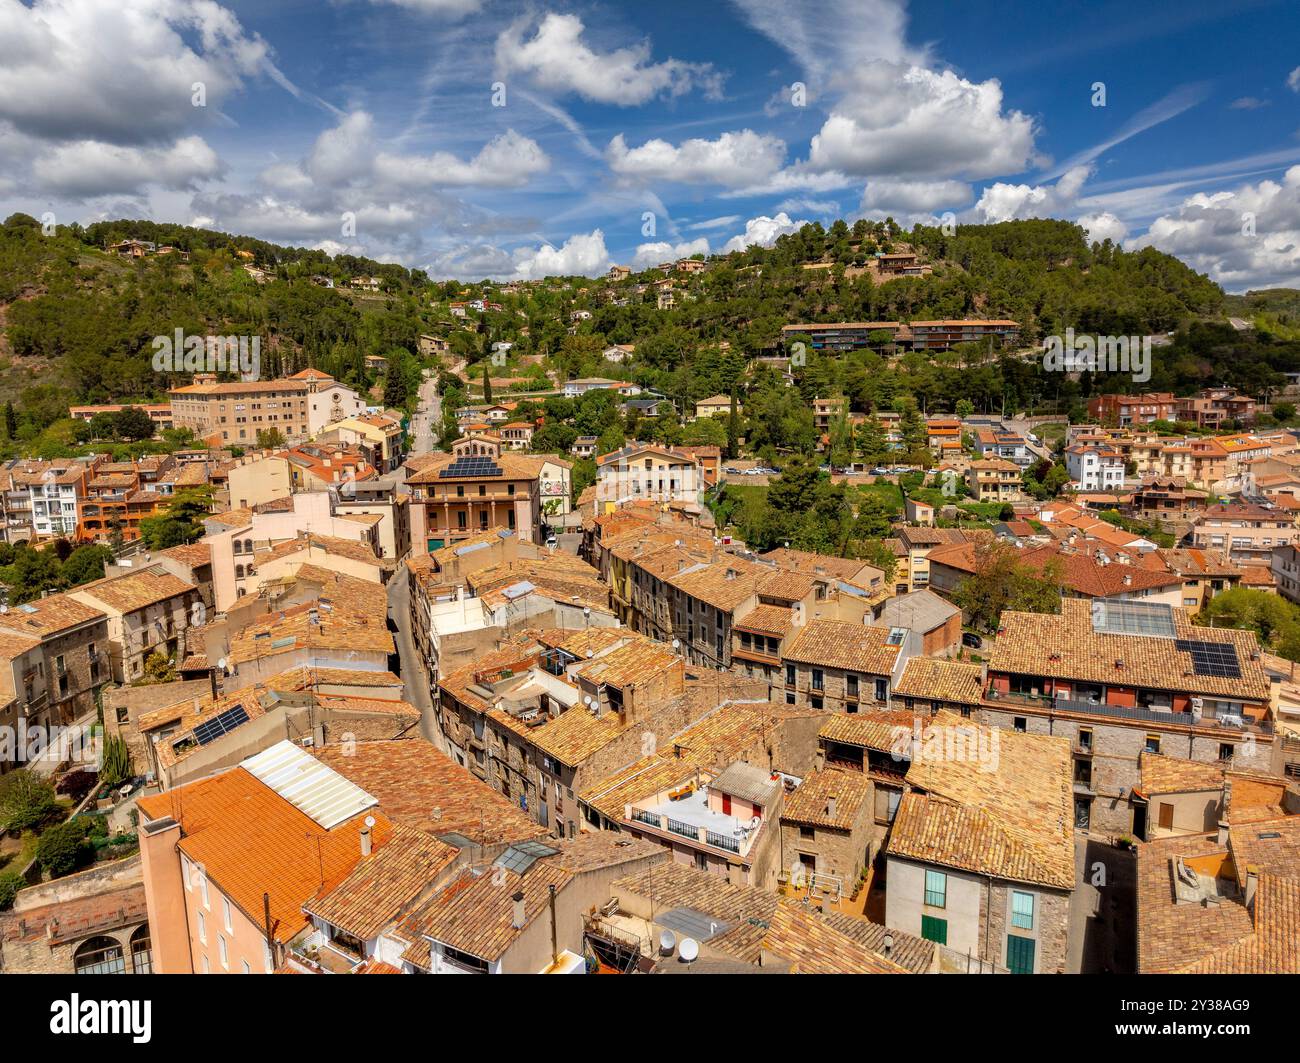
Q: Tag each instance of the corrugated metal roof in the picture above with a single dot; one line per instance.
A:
(314, 789)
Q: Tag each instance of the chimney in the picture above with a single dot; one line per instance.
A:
(889, 942)
(517, 915)
(1223, 832)
(365, 838)
(1252, 883)
(830, 808)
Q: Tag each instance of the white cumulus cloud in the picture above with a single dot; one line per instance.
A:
(734, 159)
(581, 255)
(557, 58)
(763, 232)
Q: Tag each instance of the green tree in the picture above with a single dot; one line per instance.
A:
(26, 800)
(1001, 582)
(181, 522)
(62, 849)
(133, 424)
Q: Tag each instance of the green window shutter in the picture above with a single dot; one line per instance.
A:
(1020, 955)
(936, 930)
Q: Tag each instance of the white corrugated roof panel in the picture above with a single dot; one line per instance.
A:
(314, 789)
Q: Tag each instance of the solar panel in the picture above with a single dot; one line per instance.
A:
(1218, 659)
(1133, 618)
(478, 466)
(521, 856)
(214, 728)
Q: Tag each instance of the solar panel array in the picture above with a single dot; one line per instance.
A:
(1211, 658)
(523, 855)
(1133, 618)
(214, 728)
(478, 466)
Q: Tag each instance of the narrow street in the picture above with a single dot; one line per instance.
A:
(414, 677)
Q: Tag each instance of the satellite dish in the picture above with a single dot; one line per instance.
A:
(222, 664)
(689, 951)
(370, 821)
(667, 942)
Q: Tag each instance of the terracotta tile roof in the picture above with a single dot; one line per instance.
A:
(722, 584)
(312, 626)
(640, 659)
(881, 730)
(935, 679)
(352, 549)
(1172, 935)
(420, 787)
(1004, 809)
(135, 590)
(1173, 775)
(813, 946)
(809, 804)
(474, 912)
(1273, 947)
(194, 555)
(762, 926)
(382, 886)
(252, 841)
(914, 953)
(726, 731)
(1266, 846)
(766, 620)
(596, 850)
(14, 645)
(49, 616)
(1067, 647)
(843, 645)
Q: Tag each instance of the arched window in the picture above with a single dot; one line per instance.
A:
(141, 951)
(238, 547)
(239, 572)
(99, 955)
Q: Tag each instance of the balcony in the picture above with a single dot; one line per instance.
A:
(1121, 712)
(691, 818)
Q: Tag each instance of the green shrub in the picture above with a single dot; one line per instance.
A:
(26, 800)
(10, 883)
(116, 768)
(62, 849)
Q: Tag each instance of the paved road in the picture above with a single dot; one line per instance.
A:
(427, 416)
(414, 677)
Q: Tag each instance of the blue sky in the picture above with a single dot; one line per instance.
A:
(632, 132)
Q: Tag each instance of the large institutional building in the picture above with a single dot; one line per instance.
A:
(299, 406)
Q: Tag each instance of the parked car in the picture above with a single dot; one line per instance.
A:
(969, 638)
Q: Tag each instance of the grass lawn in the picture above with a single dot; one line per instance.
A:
(887, 492)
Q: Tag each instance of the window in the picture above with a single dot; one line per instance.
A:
(1153, 744)
(221, 951)
(1020, 954)
(225, 913)
(936, 889)
(789, 675)
(99, 955)
(851, 685)
(1085, 738)
(818, 679)
(816, 703)
(1018, 723)
(887, 804)
(203, 889)
(1022, 910)
(247, 968)
(1225, 750)
(935, 930)
(203, 929)
(807, 833)
(882, 689)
